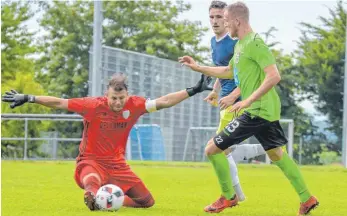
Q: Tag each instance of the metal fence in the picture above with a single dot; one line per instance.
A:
(48, 141)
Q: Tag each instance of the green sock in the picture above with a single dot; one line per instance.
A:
(292, 172)
(221, 167)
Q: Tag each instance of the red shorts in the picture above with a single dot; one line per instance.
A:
(122, 176)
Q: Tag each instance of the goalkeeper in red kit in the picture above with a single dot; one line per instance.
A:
(107, 122)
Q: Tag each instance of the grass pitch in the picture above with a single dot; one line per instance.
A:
(182, 189)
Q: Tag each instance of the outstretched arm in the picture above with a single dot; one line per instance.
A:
(17, 99)
(52, 102)
(172, 99)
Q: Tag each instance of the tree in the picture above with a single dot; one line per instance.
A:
(15, 40)
(150, 27)
(17, 72)
(320, 57)
(63, 67)
(270, 34)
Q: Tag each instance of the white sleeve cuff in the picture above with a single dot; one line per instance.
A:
(151, 106)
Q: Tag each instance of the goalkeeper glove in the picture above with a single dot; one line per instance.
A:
(17, 99)
(201, 85)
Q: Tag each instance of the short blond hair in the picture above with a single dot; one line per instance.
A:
(239, 10)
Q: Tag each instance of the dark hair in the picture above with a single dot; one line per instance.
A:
(118, 82)
(240, 10)
(218, 5)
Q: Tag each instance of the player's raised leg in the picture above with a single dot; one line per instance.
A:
(246, 151)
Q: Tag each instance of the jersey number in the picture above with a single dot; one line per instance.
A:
(219, 139)
(232, 126)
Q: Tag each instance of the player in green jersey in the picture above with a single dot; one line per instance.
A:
(254, 69)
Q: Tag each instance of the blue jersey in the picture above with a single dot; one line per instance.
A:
(222, 52)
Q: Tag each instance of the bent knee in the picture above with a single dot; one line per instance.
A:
(211, 148)
(150, 203)
(147, 204)
(94, 176)
(275, 154)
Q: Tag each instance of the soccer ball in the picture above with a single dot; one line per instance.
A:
(109, 198)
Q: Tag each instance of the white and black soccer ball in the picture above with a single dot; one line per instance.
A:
(109, 198)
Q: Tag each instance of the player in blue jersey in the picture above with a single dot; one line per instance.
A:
(222, 46)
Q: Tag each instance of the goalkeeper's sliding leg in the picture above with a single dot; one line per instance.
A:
(90, 176)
